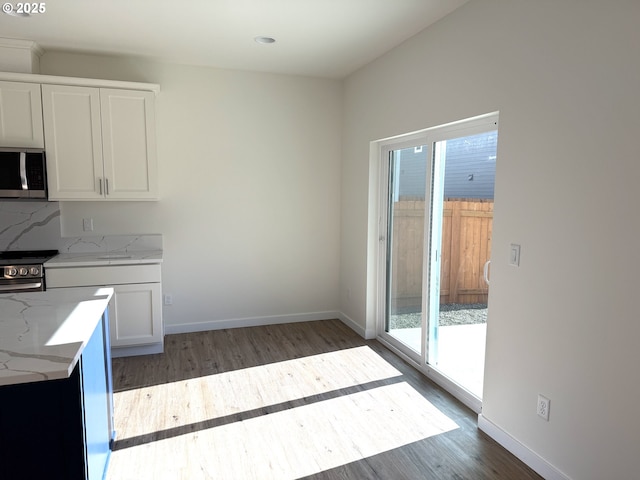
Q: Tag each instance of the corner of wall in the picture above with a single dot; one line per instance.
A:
(366, 333)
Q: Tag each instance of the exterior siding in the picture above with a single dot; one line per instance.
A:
(470, 170)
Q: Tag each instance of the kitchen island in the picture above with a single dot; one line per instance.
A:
(56, 403)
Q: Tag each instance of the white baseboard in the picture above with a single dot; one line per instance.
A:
(137, 350)
(248, 322)
(524, 453)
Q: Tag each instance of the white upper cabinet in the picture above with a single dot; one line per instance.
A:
(20, 115)
(129, 143)
(73, 137)
(100, 143)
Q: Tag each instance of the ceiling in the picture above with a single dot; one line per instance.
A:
(320, 38)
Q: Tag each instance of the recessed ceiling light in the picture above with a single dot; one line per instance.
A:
(265, 40)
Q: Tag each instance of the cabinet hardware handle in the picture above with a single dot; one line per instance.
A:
(106, 186)
(100, 183)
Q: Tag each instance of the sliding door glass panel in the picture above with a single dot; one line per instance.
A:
(460, 248)
(405, 245)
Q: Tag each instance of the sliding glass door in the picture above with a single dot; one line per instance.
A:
(437, 217)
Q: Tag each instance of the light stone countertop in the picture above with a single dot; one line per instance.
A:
(98, 259)
(43, 334)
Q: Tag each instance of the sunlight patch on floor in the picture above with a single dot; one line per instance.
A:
(293, 443)
(162, 407)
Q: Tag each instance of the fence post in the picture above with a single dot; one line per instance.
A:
(454, 269)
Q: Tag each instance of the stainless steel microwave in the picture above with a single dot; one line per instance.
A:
(23, 173)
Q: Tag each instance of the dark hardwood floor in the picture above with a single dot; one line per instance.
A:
(306, 400)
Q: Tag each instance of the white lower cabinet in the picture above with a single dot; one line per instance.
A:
(135, 313)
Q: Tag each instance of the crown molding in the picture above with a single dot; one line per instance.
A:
(79, 82)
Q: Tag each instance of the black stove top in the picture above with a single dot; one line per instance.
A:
(26, 257)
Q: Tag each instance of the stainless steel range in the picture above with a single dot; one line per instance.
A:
(23, 271)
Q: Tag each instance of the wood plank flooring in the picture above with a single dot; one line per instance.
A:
(306, 400)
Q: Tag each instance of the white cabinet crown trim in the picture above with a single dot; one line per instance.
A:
(80, 82)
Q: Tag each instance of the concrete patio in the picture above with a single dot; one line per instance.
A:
(461, 352)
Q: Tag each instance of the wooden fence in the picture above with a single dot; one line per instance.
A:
(466, 247)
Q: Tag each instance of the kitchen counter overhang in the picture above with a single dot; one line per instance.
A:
(43, 334)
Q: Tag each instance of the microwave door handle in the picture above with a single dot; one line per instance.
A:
(23, 170)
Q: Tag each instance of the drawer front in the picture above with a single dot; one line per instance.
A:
(99, 276)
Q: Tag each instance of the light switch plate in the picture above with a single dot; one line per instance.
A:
(514, 255)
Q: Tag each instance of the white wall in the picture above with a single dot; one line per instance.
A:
(250, 190)
(565, 76)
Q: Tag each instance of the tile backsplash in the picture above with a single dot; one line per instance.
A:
(36, 226)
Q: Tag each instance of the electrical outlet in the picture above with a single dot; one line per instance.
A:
(87, 224)
(543, 407)
(168, 299)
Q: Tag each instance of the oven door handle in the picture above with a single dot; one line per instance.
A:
(21, 286)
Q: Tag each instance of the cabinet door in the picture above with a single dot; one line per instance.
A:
(73, 140)
(20, 115)
(136, 315)
(129, 144)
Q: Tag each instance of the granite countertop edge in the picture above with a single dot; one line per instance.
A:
(97, 259)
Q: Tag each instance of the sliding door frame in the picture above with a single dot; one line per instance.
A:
(384, 148)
